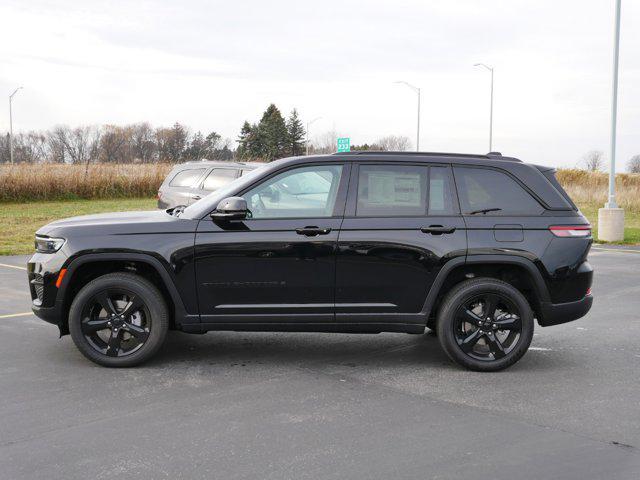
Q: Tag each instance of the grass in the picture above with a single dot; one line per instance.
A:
(21, 220)
(631, 223)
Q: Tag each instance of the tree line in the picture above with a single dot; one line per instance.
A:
(136, 143)
(270, 138)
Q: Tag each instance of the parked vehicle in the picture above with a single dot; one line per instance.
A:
(476, 247)
(189, 182)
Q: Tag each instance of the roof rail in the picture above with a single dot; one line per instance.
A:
(492, 155)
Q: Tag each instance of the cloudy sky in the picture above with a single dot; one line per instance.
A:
(213, 64)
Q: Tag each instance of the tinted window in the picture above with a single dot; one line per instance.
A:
(392, 190)
(480, 189)
(186, 178)
(302, 192)
(218, 177)
(441, 197)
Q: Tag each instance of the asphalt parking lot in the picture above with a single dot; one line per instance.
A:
(298, 406)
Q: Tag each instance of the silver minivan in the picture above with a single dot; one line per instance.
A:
(189, 182)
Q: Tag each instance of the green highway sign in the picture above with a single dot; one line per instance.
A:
(344, 144)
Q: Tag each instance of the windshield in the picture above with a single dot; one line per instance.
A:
(195, 209)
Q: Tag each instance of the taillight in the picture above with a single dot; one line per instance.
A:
(158, 195)
(571, 230)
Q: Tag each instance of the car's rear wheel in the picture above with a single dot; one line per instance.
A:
(485, 324)
(118, 320)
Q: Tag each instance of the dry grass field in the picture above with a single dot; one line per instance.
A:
(49, 181)
(590, 188)
(33, 195)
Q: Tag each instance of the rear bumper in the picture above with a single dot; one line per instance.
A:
(557, 313)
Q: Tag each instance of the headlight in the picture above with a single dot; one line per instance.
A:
(48, 244)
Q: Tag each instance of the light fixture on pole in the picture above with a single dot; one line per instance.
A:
(11, 124)
(490, 105)
(611, 218)
(417, 90)
(306, 141)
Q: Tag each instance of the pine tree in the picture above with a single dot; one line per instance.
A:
(245, 141)
(295, 135)
(272, 133)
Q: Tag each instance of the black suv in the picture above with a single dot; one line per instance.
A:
(473, 246)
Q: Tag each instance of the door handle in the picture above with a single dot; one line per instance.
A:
(312, 231)
(195, 197)
(437, 229)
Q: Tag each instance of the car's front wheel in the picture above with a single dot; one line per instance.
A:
(485, 324)
(118, 320)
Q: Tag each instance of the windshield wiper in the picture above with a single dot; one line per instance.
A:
(485, 211)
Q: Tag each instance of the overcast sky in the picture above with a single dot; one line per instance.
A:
(211, 65)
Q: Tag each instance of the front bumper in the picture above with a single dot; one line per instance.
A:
(48, 314)
(557, 313)
(42, 271)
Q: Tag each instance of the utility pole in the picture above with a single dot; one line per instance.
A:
(490, 105)
(11, 124)
(306, 140)
(611, 218)
(417, 91)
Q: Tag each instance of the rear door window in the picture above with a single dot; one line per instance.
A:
(218, 177)
(392, 190)
(481, 189)
(186, 178)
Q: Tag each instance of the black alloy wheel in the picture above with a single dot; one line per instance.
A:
(488, 326)
(118, 320)
(485, 324)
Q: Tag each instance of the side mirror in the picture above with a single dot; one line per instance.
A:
(232, 208)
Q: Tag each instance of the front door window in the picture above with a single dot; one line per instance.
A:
(307, 192)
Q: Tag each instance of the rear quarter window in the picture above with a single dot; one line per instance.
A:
(218, 177)
(483, 188)
(186, 178)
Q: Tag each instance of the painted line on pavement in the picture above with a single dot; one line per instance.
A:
(11, 315)
(12, 266)
(623, 250)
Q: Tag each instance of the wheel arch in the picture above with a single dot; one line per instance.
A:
(89, 266)
(520, 272)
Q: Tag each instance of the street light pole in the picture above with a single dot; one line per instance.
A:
(11, 124)
(490, 105)
(417, 90)
(306, 140)
(611, 218)
(614, 111)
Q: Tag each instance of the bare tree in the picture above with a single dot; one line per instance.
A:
(593, 160)
(30, 147)
(4, 148)
(56, 140)
(114, 143)
(394, 143)
(325, 143)
(143, 145)
(633, 165)
(38, 146)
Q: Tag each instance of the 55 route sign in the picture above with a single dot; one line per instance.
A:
(344, 144)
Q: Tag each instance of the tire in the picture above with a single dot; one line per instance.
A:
(129, 316)
(487, 340)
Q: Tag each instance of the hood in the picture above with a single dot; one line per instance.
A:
(113, 223)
